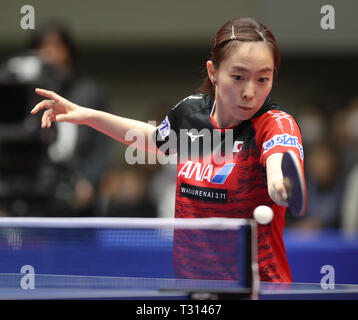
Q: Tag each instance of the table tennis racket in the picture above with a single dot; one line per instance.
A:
(295, 184)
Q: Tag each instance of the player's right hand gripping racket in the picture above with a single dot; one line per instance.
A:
(295, 184)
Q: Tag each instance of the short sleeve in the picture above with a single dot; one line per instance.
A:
(277, 132)
(166, 133)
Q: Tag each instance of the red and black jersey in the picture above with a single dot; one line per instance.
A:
(221, 172)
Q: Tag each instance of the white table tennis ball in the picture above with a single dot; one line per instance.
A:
(263, 214)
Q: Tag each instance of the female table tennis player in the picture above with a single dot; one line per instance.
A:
(234, 96)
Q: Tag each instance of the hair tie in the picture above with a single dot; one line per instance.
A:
(262, 36)
(233, 37)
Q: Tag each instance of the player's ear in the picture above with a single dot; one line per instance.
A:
(211, 71)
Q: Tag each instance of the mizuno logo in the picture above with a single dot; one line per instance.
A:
(194, 136)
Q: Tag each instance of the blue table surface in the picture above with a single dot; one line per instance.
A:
(82, 287)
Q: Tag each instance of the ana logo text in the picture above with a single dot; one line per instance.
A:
(204, 171)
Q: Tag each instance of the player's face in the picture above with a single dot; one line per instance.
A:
(243, 81)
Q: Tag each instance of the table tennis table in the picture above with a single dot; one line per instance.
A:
(108, 259)
(54, 287)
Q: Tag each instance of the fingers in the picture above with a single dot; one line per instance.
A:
(287, 187)
(47, 118)
(278, 193)
(281, 197)
(50, 116)
(47, 94)
(52, 105)
(45, 104)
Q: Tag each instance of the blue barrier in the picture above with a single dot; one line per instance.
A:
(309, 250)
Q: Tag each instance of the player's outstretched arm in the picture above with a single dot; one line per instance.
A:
(275, 182)
(60, 109)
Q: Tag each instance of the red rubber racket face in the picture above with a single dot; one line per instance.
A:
(295, 184)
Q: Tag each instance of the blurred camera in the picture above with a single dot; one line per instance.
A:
(23, 145)
(19, 76)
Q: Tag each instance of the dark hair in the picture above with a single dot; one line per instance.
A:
(231, 34)
(53, 27)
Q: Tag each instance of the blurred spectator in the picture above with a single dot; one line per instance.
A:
(349, 213)
(324, 189)
(59, 174)
(162, 190)
(80, 153)
(345, 134)
(313, 125)
(162, 182)
(124, 193)
(27, 176)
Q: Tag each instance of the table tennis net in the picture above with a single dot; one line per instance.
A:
(115, 251)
